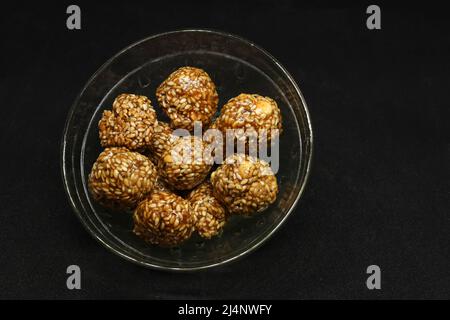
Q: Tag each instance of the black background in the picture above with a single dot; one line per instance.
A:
(378, 192)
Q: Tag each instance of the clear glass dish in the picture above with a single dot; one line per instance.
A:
(235, 65)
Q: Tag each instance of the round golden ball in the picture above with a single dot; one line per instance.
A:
(244, 184)
(186, 163)
(163, 218)
(121, 178)
(129, 124)
(188, 95)
(209, 214)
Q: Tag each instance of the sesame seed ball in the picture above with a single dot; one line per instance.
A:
(188, 95)
(186, 163)
(163, 218)
(209, 214)
(250, 111)
(120, 178)
(129, 124)
(161, 141)
(244, 184)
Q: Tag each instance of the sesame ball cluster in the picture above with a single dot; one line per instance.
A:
(166, 180)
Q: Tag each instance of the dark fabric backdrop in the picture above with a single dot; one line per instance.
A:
(379, 188)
